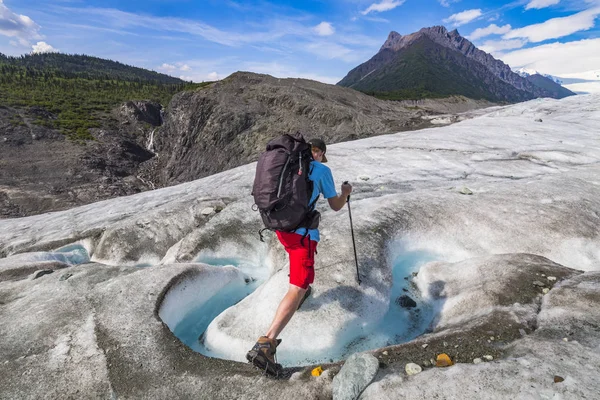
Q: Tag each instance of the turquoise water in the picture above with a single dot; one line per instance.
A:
(218, 261)
(191, 328)
(399, 325)
(195, 323)
(74, 254)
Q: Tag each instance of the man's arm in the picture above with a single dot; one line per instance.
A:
(337, 203)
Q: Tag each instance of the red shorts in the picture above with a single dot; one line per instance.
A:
(302, 258)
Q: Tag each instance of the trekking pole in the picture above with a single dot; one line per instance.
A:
(353, 242)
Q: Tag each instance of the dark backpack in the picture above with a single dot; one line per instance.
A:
(281, 188)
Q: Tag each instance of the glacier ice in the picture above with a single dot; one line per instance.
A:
(536, 191)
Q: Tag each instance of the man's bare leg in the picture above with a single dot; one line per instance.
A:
(285, 311)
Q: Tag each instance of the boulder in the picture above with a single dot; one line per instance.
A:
(356, 374)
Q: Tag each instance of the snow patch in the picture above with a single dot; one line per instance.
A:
(442, 120)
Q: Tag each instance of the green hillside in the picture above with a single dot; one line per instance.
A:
(87, 67)
(79, 90)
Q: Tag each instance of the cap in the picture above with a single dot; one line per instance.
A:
(319, 144)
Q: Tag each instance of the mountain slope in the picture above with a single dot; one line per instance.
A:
(558, 91)
(526, 72)
(427, 69)
(399, 70)
(79, 91)
(75, 129)
(229, 123)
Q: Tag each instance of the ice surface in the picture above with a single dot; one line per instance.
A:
(536, 190)
(469, 289)
(196, 289)
(189, 314)
(532, 362)
(71, 255)
(191, 329)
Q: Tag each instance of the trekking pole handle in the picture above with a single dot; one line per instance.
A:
(348, 199)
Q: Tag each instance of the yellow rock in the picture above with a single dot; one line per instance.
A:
(443, 360)
(317, 371)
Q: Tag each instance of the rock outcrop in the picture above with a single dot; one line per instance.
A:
(229, 123)
(41, 170)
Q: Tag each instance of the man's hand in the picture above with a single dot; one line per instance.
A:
(337, 203)
(346, 189)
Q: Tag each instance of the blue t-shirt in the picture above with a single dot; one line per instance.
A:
(323, 184)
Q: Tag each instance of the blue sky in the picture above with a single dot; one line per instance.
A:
(315, 39)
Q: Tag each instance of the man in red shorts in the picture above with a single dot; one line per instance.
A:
(301, 254)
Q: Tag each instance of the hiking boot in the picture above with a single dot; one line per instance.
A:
(262, 356)
(306, 294)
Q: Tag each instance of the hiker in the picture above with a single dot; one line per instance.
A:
(301, 246)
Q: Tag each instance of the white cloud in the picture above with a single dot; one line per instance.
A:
(167, 68)
(324, 29)
(378, 20)
(18, 26)
(172, 68)
(202, 70)
(330, 51)
(20, 42)
(558, 58)
(464, 17)
(538, 4)
(446, 3)
(493, 29)
(122, 20)
(300, 37)
(43, 47)
(495, 46)
(384, 5)
(556, 27)
(285, 71)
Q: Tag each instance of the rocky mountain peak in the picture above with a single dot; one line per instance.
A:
(452, 39)
(396, 41)
(439, 34)
(438, 30)
(392, 37)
